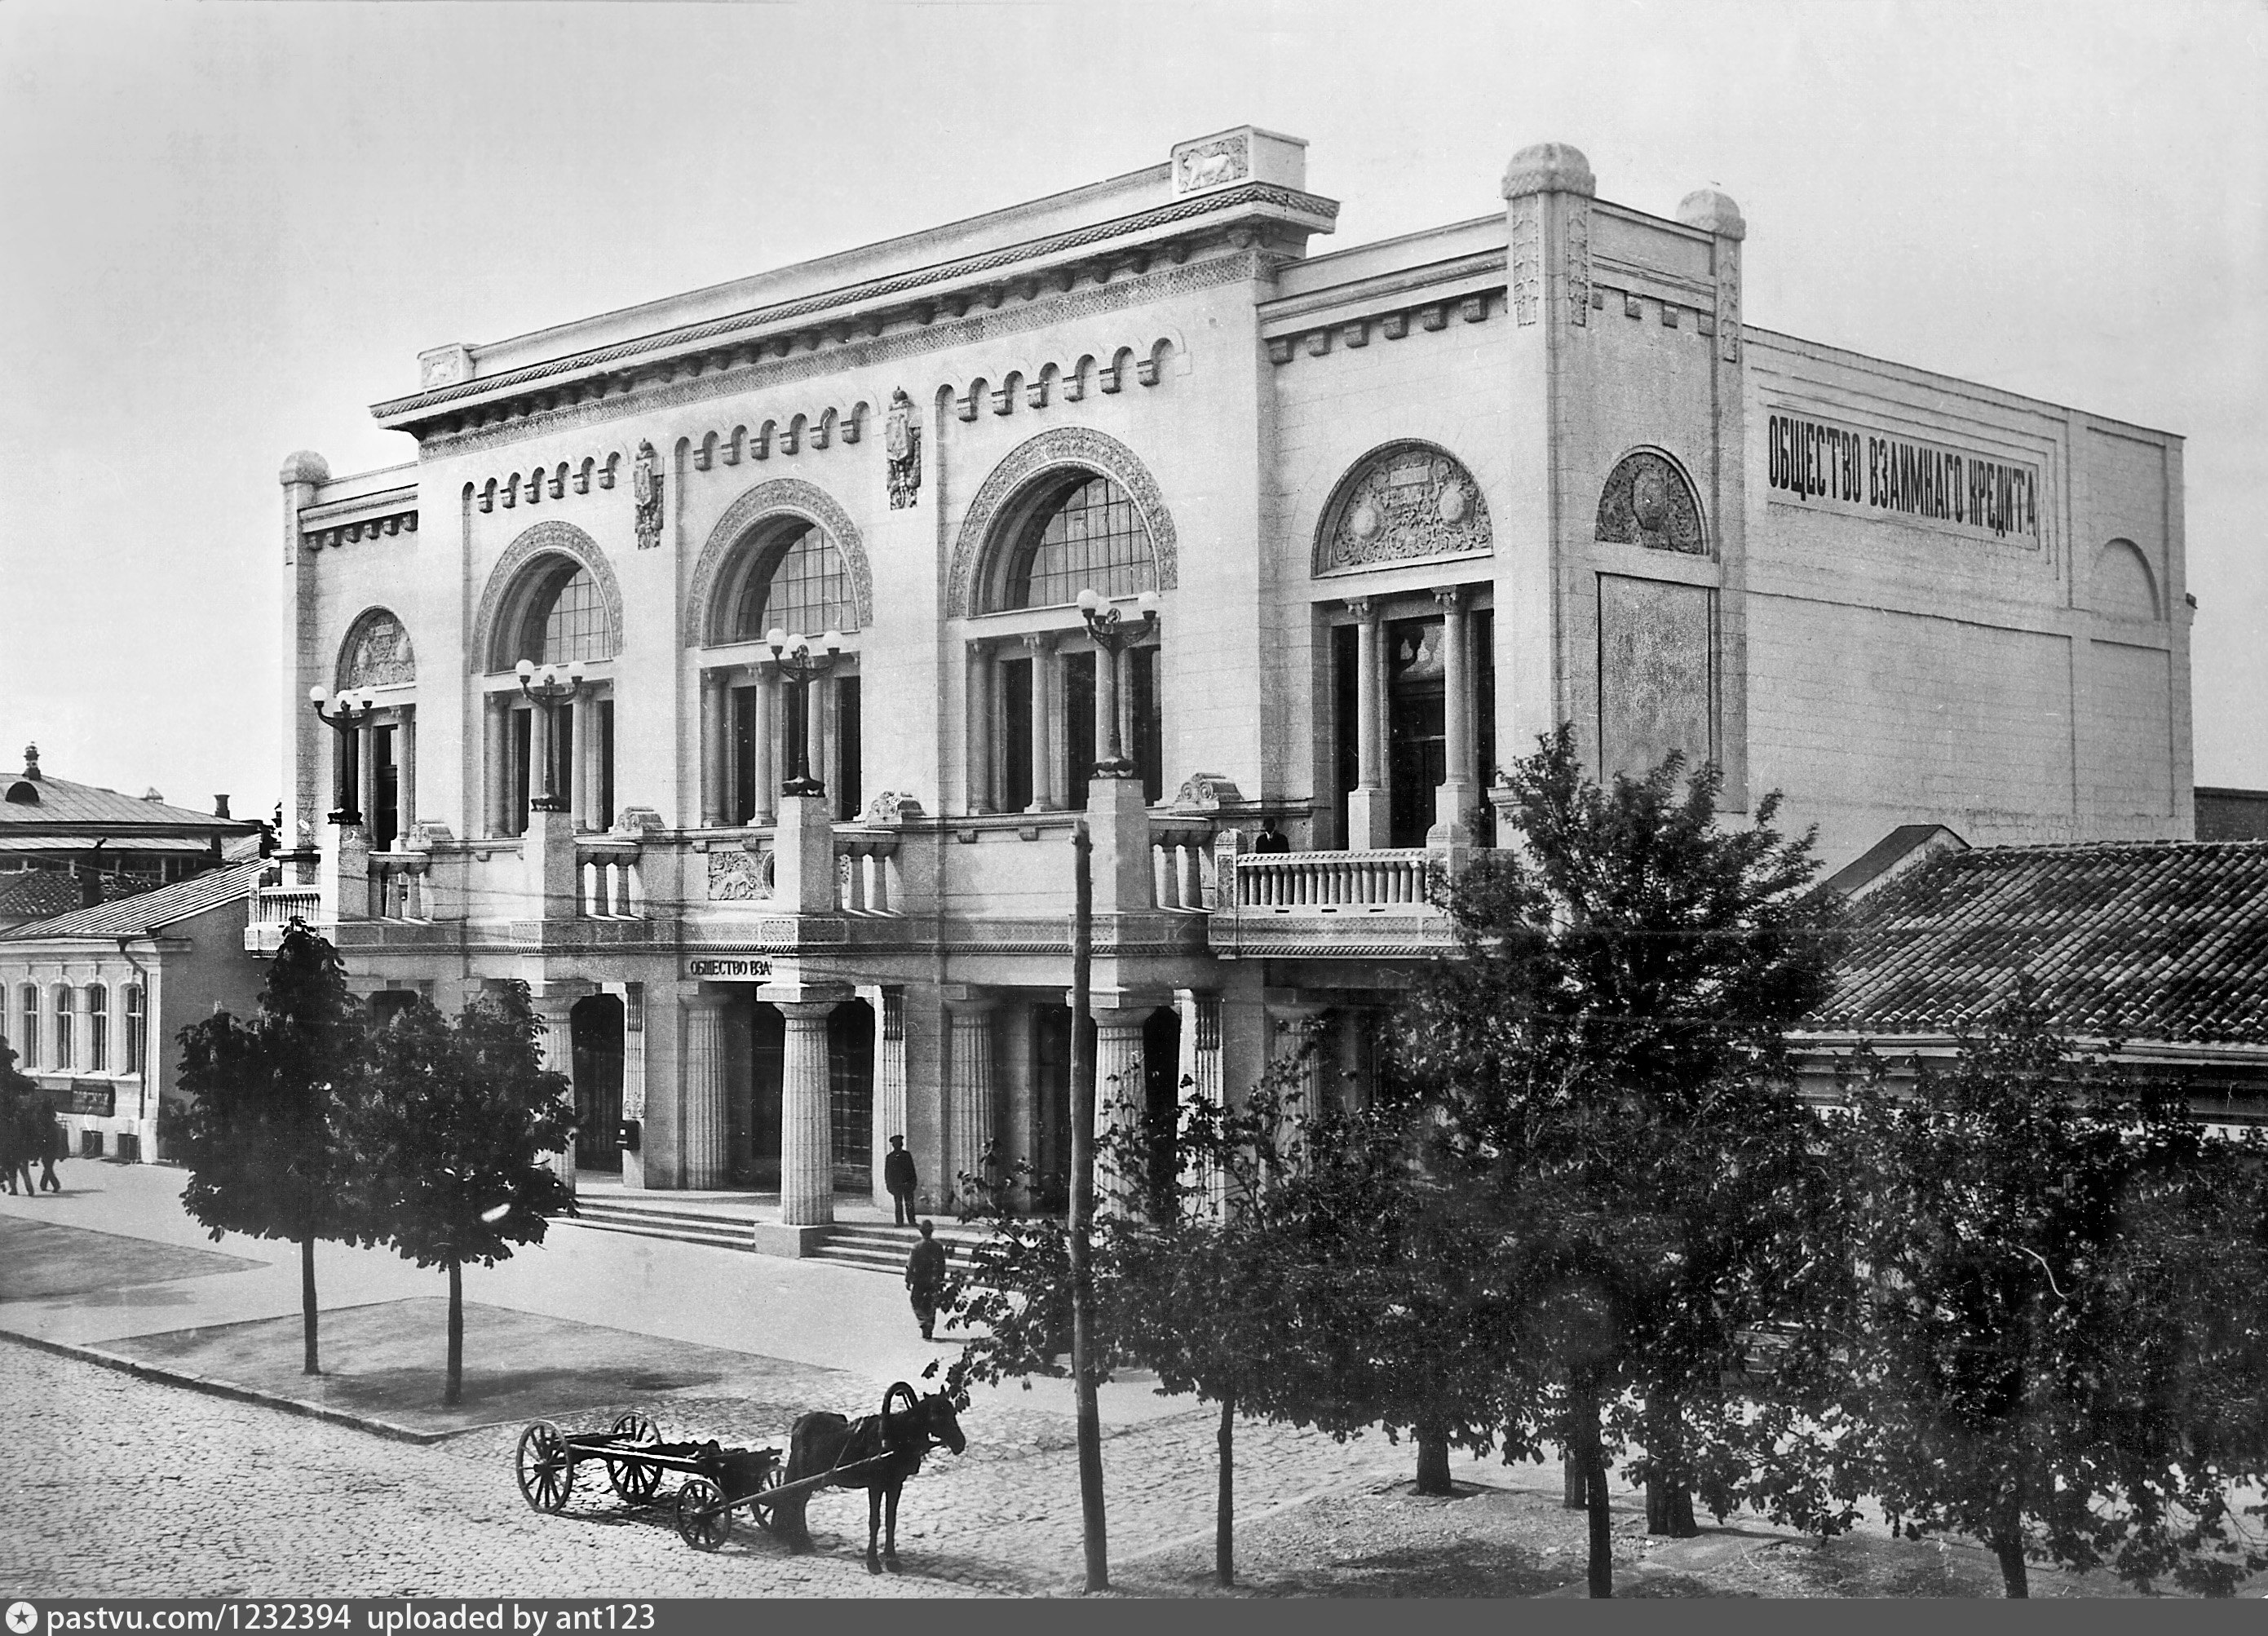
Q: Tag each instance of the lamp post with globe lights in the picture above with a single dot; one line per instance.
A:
(349, 714)
(548, 692)
(801, 667)
(1113, 634)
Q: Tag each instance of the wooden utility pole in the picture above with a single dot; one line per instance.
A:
(1083, 1362)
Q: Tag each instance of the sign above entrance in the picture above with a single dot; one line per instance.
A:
(758, 967)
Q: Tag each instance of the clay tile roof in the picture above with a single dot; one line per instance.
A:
(2162, 940)
(146, 911)
(35, 894)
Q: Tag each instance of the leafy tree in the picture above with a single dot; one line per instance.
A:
(450, 1137)
(1607, 1066)
(2061, 1345)
(262, 1140)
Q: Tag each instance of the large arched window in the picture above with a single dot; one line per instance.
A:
(566, 621)
(798, 583)
(1079, 532)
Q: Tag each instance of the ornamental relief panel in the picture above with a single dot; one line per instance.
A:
(1647, 502)
(1406, 504)
(378, 655)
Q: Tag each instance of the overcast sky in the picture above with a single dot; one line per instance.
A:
(227, 230)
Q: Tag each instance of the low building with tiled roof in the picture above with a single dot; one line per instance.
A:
(92, 997)
(55, 823)
(2158, 947)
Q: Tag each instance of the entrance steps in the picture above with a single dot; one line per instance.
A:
(727, 1220)
(878, 1247)
(723, 1225)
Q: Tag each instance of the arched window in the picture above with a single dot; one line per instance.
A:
(1080, 533)
(62, 998)
(798, 585)
(567, 621)
(27, 1032)
(133, 1063)
(97, 1027)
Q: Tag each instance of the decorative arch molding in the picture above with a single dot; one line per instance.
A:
(1065, 448)
(782, 497)
(1404, 501)
(376, 653)
(1649, 501)
(506, 584)
(2123, 585)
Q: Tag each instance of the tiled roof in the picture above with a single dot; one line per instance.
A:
(2151, 939)
(32, 894)
(110, 840)
(145, 911)
(61, 801)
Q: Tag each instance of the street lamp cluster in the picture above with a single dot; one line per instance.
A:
(547, 692)
(801, 666)
(350, 710)
(1114, 634)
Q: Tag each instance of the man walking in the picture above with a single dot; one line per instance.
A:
(926, 1278)
(54, 1147)
(898, 1176)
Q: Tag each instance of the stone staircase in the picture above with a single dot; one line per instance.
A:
(722, 1226)
(725, 1222)
(881, 1248)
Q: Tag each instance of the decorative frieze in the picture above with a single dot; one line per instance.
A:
(1408, 501)
(511, 489)
(1578, 260)
(364, 529)
(1526, 278)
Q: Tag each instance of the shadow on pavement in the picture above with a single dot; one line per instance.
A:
(43, 1259)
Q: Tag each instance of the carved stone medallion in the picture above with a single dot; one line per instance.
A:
(1406, 503)
(1647, 502)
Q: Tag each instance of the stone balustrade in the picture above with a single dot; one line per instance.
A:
(1361, 879)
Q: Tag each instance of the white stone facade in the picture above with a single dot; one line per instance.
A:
(1400, 508)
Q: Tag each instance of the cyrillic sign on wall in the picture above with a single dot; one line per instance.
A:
(1875, 474)
(756, 967)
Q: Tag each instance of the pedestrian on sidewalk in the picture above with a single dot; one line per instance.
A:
(926, 1278)
(56, 1146)
(898, 1176)
(16, 1139)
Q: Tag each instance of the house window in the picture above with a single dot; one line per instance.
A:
(1089, 537)
(62, 998)
(97, 1027)
(133, 1005)
(27, 1033)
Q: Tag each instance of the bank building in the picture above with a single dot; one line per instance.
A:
(734, 669)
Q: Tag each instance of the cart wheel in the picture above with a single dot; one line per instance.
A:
(704, 1521)
(546, 1467)
(635, 1481)
(770, 1477)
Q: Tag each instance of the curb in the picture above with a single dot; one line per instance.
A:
(215, 1387)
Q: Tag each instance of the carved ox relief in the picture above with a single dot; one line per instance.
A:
(1647, 502)
(1405, 503)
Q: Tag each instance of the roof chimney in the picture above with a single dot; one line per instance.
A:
(220, 807)
(32, 761)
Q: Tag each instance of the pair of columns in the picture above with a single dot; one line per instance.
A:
(404, 723)
(988, 768)
(581, 782)
(767, 743)
(1370, 822)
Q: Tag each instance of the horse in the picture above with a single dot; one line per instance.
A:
(819, 1443)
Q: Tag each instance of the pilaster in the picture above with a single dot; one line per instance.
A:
(969, 1127)
(803, 863)
(704, 1055)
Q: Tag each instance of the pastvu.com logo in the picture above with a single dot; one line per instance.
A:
(23, 1619)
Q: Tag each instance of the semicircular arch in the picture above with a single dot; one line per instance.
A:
(1649, 499)
(511, 581)
(1404, 501)
(376, 652)
(782, 497)
(1064, 449)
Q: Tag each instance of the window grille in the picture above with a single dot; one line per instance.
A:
(573, 624)
(805, 593)
(1092, 538)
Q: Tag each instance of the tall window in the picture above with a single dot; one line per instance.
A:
(800, 587)
(133, 1063)
(97, 1027)
(27, 1031)
(1085, 536)
(62, 998)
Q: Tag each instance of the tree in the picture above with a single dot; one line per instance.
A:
(262, 1141)
(449, 1142)
(1606, 1063)
(2061, 1346)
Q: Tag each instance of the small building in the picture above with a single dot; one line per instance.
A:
(94, 996)
(96, 835)
(2154, 951)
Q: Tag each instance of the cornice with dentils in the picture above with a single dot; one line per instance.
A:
(1264, 196)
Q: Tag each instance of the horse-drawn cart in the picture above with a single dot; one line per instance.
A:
(718, 1481)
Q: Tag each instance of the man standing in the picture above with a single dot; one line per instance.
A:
(926, 1278)
(898, 1176)
(56, 1147)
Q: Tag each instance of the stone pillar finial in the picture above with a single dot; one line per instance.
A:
(1713, 212)
(1549, 167)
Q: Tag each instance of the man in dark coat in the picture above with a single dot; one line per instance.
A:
(926, 1278)
(56, 1147)
(898, 1176)
(21, 1140)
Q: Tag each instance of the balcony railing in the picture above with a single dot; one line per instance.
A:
(1348, 905)
(606, 882)
(1316, 880)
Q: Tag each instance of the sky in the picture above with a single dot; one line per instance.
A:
(225, 229)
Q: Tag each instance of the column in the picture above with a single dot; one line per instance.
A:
(712, 747)
(1199, 1078)
(1044, 760)
(817, 741)
(1458, 792)
(585, 712)
(498, 760)
(542, 775)
(968, 1126)
(1295, 1061)
(761, 729)
(806, 1157)
(1370, 810)
(701, 1146)
(1121, 1094)
(1123, 664)
(889, 1005)
(405, 783)
(978, 776)
(366, 772)
(1106, 706)
(554, 1009)
(634, 1078)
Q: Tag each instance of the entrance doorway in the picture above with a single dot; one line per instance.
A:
(1051, 1140)
(1417, 726)
(1161, 1073)
(851, 1095)
(757, 1063)
(595, 1028)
